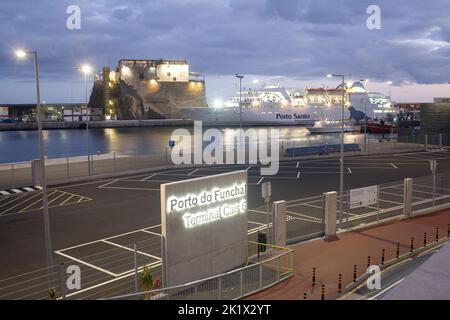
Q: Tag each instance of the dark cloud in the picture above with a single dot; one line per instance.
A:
(294, 38)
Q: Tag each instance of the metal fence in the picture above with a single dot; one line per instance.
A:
(275, 265)
(305, 219)
(428, 192)
(13, 175)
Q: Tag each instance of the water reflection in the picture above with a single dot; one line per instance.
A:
(23, 145)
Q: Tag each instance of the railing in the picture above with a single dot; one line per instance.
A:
(275, 265)
(13, 175)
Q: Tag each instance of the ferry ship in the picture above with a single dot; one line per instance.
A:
(276, 105)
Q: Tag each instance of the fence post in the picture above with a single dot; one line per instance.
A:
(241, 283)
(378, 203)
(136, 275)
(114, 153)
(67, 166)
(279, 225)
(220, 288)
(407, 196)
(440, 140)
(62, 279)
(426, 141)
(12, 175)
(260, 276)
(278, 269)
(330, 208)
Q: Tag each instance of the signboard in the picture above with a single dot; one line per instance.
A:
(171, 143)
(433, 166)
(266, 191)
(363, 196)
(204, 223)
(4, 112)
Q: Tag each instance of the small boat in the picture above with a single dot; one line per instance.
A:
(381, 127)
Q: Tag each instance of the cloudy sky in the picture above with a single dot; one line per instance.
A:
(297, 40)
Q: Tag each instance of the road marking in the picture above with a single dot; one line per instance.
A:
(386, 289)
(248, 168)
(127, 188)
(22, 202)
(62, 203)
(394, 166)
(350, 171)
(260, 180)
(298, 163)
(129, 249)
(148, 177)
(16, 191)
(86, 263)
(62, 194)
(298, 174)
(153, 233)
(108, 183)
(4, 193)
(38, 187)
(190, 173)
(29, 189)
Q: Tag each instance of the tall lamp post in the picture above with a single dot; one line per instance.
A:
(389, 92)
(365, 116)
(21, 54)
(86, 69)
(341, 176)
(240, 77)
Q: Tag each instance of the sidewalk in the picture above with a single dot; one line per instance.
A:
(331, 258)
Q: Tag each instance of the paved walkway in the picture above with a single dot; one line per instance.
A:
(338, 256)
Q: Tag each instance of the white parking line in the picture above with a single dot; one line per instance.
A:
(298, 163)
(394, 166)
(260, 180)
(86, 264)
(350, 171)
(298, 174)
(108, 183)
(152, 175)
(191, 173)
(129, 249)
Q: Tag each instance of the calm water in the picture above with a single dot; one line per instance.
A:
(16, 146)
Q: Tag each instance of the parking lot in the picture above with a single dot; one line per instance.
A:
(99, 223)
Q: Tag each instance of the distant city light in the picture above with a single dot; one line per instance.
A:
(126, 71)
(218, 103)
(255, 81)
(329, 76)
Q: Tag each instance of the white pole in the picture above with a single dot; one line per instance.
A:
(341, 187)
(87, 122)
(48, 243)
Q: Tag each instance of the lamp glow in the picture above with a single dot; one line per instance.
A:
(87, 69)
(20, 54)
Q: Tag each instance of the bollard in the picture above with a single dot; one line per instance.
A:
(368, 261)
(314, 277)
(323, 292)
(411, 246)
(425, 239)
(448, 230)
(382, 256)
(340, 283)
(305, 296)
(437, 234)
(354, 273)
(397, 253)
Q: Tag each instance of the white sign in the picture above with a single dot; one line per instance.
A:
(363, 196)
(267, 190)
(204, 223)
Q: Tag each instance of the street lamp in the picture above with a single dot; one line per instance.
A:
(365, 115)
(341, 180)
(390, 85)
(87, 69)
(240, 77)
(21, 54)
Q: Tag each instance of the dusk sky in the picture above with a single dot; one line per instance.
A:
(299, 40)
